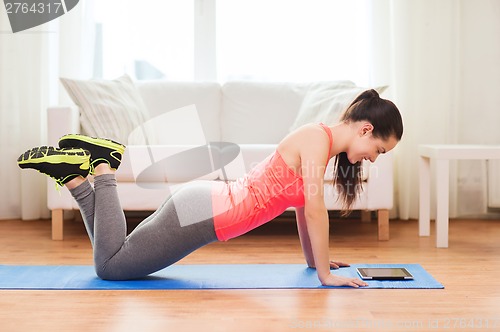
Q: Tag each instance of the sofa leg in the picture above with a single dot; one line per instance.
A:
(383, 225)
(366, 216)
(57, 224)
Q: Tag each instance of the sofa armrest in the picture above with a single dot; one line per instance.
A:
(62, 120)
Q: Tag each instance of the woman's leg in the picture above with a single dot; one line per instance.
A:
(84, 195)
(181, 225)
(105, 155)
(152, 216)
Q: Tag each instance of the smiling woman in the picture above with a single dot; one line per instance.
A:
(202, 212)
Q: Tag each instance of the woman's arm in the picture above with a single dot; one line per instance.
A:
(318, 231)
(305, 242)
(313, 156)
(317, 225)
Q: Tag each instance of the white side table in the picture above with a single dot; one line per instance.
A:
(441, 155)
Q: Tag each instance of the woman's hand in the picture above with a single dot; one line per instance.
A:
(333, 265)
(333, 280)
(336, 265)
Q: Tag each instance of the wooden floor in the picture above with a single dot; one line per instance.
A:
(469, 269)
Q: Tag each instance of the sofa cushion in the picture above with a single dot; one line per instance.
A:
(160, 164)
(162, 97)
(258, 112)
(110, 109)
(181, 126)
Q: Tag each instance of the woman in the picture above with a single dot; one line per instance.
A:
(202, 212)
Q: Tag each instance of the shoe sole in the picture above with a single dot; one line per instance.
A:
(102, 142)
(51, 156)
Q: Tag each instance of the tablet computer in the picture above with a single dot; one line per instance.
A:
(384, 273)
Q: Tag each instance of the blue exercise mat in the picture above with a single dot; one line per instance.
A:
(232, 276)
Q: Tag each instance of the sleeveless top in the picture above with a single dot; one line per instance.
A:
(261, 195)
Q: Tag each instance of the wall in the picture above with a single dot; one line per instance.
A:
(479, 101)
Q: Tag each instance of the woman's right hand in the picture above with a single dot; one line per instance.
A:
(333, 280)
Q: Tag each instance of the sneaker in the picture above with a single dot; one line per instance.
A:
(101, 150)
(62, 165)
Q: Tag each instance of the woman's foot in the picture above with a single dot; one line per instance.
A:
(63, 165)
(101, 150)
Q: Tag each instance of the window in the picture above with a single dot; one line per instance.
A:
(292, 40)
(273, 40)
(147, 39)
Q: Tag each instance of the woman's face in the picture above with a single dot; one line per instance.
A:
(366, 147)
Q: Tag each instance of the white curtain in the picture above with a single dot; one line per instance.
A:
(445, 78)
(30, 65)
(23, 98)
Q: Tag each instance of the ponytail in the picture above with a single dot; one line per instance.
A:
(347, 180)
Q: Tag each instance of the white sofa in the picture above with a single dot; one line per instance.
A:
(254, 116)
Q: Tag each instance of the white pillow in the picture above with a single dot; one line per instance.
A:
(325, 102)
(108, 109)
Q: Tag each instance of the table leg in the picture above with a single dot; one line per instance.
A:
(442, 197)
(424, 221)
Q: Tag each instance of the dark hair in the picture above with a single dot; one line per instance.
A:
(386, 121)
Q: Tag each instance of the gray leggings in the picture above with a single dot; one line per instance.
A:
(182, 224)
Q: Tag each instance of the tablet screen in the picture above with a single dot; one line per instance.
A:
(384, 273)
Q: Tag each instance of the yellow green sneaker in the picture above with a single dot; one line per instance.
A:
(101, 150)
(62, 165)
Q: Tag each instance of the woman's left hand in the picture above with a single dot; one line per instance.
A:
(336, 265)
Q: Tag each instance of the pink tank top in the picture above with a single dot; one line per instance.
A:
(263, 194)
